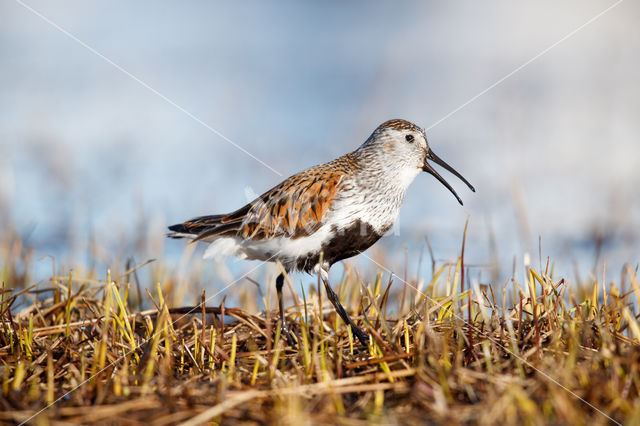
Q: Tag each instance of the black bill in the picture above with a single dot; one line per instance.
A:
(429, 169)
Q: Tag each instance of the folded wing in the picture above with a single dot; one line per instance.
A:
(293, 209)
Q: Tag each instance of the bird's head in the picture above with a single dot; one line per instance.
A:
(402, 149)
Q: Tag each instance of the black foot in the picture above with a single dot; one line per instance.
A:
(284, 331)
(361, 335)
(335, 301)
(283, 322)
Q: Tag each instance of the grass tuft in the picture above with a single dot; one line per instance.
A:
(539, 351)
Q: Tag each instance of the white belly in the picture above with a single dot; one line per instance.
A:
(342, 215)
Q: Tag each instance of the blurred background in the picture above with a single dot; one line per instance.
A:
(106, 131)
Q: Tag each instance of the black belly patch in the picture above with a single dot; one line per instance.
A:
(345, 243)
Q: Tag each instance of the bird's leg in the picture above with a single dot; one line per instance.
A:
(283, 322)
(335, 301)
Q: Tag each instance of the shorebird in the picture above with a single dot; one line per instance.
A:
(325, 213)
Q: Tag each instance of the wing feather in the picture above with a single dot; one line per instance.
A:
(295, 208)
(292, 209)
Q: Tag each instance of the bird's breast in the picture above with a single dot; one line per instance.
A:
(369, 201)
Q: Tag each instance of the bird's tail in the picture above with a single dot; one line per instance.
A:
(203, 227)
(180, 231)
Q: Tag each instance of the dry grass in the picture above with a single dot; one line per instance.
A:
(83, 352)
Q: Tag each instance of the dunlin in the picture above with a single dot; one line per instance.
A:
(326, 213)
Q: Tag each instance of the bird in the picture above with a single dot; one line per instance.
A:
(326, 213)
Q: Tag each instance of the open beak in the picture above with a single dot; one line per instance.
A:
(429, 169)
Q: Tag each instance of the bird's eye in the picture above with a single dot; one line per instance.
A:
(409, 138)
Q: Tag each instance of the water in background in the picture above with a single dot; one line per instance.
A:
(553, 150)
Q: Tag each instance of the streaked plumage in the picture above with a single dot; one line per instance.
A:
(339, 208)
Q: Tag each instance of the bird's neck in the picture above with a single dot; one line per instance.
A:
(387, 176)
(382, 188)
